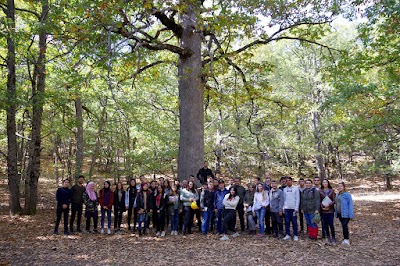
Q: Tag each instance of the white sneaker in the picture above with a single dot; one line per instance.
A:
(162, 233)
(102, 231)
(287, 237)
(176, 233)
(109, 231)
(236, 234)
(296, 238)
(158, 233)
(346, 242)
(224, 237)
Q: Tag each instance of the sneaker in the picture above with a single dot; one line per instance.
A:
(87, 231)
(162, 233)
(225, 237)
(158, 233)
(102, 231)
(55, 233)
(346, 242)
(66, 233)
(287, 237)
(236, 234)
(260, 236)
(79, 230)
(95, 231)
(333, 241)
(296, 238)
(109, 231)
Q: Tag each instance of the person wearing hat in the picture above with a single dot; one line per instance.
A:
(218, 203)
(106, 200)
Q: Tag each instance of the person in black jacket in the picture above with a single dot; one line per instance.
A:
(144, 206)
(161, 207)
(119, 206)
(204, 173)
(130, 197)
(77, 204)
(63, 197)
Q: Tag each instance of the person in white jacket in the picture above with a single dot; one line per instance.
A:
(260, 204)
(291, 208)
(230, 202)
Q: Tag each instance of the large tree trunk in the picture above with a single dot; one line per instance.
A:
(79, 137)
(12, 148)
(38, 87)
(191, 90)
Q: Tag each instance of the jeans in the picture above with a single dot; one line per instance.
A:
(345, 226)
(328, 223)
(219, 220)
(175, 220)
(260, 217)
(205, 221)
(65, 212)
(103, 214)
(309, 217)
(290, 216)
(143, 218)
(76, 208)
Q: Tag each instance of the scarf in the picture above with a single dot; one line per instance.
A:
(90, 192)
(158, 200)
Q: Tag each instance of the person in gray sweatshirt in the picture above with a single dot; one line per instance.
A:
(276, 200)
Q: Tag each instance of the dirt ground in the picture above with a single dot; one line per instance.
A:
(374, 235)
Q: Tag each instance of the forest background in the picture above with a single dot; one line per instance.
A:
(114, 89)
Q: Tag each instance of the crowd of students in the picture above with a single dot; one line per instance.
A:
(265, 206)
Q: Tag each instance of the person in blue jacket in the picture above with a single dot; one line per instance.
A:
(344, 210)
(63, 197)
(219, 206)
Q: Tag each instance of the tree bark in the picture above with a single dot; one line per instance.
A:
(79, 137)
(12, 146)
(102, 122)
(191, 94)
(38, 88)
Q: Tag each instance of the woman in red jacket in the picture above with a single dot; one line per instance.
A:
(106, 199)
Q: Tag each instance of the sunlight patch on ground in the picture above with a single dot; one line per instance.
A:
(377, 197)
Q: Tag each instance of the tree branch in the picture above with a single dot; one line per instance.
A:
(169, 22)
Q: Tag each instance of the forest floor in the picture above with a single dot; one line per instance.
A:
(374, 235)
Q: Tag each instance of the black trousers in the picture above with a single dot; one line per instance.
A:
(277, 223)
(301, 218)
(187, 220)
(345, 226)
(161, 220)
(118, 217)
(240, 210)
(64, 212)
(89, 216)
(76, 208)
(229, 220)
(268, 228)
(133, 211)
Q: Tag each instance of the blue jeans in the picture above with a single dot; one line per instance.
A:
(103, 214)
(218, 220)
(290, 216)
(260, 217)
(328, 224)
(205, 221)
(309, 217)
(175, 220)
(143, 218)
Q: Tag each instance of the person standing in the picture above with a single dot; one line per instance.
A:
(161, 210)
(241, 192)
(77, 204)
(119, 206)
(204, 172)
(302, 186)
(219, 206)
(310, 206)
(91, 201)
(130, 197)
(276, 201)
(327, 196)
(291, 208)
(63, 197)
(248, 203)
(344, 210)
(207, 207)
(187, 196)
(144, 206)
(106, 200)
(267, 188)
(261, 201)
(230, 203)
(317, 186)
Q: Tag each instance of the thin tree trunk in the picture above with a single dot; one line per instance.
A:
(12, 147)
(39, 83)
(98, 139)
(191, 96)
(69, 161)
(338, 163)
(79, 137)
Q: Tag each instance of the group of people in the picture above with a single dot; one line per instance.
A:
(265, 206)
